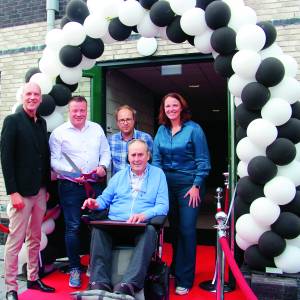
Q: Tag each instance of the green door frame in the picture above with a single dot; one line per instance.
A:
(98, 91)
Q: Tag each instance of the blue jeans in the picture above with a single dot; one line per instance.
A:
(72, 196)
(183, 221)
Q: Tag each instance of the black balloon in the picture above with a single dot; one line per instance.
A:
(47, 106)
(92, 48)
(293, 206)
(248, 190)
(71, 87)
(240, 133)
(147, 3)
(287, 225)
(161, 13)
(255, 95)
(290, 130)
(281, 152)
(270, 72)
(222, 65)
(217, 14)
(256, 260)
(203, 3)
(191, 39)
(223, 40)
(245, 116)
(270, 32)
(64, 21)
(77, 11)
(31, 72)
(70, 56)
(296, 110)
(118, 30)
(270, 244)
(174, 32)
(61, 94)
(240, 207)
(261, 169)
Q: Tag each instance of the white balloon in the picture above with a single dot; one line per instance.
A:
(245, 63)
(179, 7)
(246, 150)
(55, 39)
(280, 189)
(193, 22)
(202, 42)
(107, 39)
(240, 16)
(291, 171)
(293, 242)
(251, 37)
(242, 169)
(110, 8)
(242, 243)
(94, 6)
(273, 50)
(237, 101)
(288, 89)
(43, 80)
(96, 25)
(44, 241)
(48, 226)
(264, 211)
(262, 132)
(50, 64)
(54, 120)
(248, 229)
(236, 84)
(146, 28)
(70, 75)
(277, 111)
(74, 33)
(131, 12)
(86, 63)
(290, 64)
(146, 46)
(289, 260)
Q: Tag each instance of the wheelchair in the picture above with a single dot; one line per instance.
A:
(156, 285)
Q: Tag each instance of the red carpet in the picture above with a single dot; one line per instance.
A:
(204, 271)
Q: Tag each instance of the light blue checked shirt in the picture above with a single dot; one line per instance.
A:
(119, 148)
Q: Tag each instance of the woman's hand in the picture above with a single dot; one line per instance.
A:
(194, 194)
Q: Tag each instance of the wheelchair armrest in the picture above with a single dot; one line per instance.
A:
(95, 215)
(158, 221)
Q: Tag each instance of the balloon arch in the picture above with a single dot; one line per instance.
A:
(261, 78)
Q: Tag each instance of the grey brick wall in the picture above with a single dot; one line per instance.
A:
(20, 12)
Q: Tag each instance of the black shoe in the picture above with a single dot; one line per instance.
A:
(39, 285)
(124, 289)
(99, 286)
(11, 295)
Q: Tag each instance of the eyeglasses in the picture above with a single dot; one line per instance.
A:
(123, 121)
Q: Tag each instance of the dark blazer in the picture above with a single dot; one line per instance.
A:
(21, 155)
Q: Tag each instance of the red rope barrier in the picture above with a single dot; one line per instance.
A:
(236, 271)
(4, 229)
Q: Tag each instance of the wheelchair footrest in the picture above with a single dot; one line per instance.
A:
(99, 295)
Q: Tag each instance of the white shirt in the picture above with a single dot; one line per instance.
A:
(88, 148)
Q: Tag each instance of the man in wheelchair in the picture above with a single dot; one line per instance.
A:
(133, 196)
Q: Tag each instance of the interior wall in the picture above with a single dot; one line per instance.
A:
(121, 90)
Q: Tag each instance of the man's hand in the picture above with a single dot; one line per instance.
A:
(100, 171)
(17, 201)
(137, 218)
(80, 179)
(90, 203)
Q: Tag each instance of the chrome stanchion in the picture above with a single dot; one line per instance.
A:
(218, 278)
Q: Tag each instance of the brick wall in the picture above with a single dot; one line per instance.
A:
(20, 12)
(21, 46)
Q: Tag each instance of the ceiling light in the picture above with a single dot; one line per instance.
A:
(215, 110)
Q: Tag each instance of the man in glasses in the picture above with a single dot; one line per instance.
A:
(118, 142)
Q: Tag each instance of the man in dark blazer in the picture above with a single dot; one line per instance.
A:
(25, 161)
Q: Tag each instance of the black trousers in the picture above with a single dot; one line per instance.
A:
(102, 243)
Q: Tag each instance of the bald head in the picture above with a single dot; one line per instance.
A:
(31, 97)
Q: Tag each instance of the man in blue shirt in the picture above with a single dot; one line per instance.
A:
(131, 197)
(118, 142)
